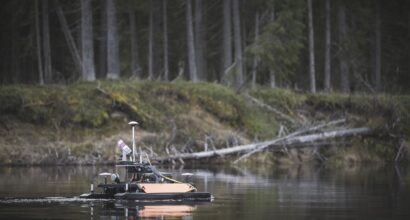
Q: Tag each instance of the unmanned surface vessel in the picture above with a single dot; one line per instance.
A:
(137, 179)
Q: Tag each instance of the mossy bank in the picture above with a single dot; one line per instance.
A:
(80, 123)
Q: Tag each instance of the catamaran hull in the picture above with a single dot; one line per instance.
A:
(189, 196)
(203, 196)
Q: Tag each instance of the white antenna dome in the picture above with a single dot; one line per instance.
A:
(133, 123)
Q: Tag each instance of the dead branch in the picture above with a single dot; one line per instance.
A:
(278, 143)
(296, 133)
(270, 108)
(172, 137)
(399, 152)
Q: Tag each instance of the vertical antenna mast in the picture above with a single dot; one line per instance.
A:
(133, 124)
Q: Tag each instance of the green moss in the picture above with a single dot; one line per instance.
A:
(287, 100)
(10, 99)
(351, 103)
(153, 103)
(82, 149)
(222, 110)
(403, 114)
(196, 110)
(259, 123)
(362, 151)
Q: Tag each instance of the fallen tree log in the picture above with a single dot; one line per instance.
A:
(262, 145)
(245, 148)
(307, 139)
(315, 128)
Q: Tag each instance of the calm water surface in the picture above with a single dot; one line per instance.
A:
(300, 192)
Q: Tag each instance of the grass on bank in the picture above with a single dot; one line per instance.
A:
(76, 121)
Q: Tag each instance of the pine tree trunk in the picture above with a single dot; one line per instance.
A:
(15, 56)
(193, 74)
(38, 44)
(151, 42)
(237, 41)
(200, 43)
(102, 48)
(227, 37)
(377, 73)
(409, 34)
(272, 79)
(135, 67)
(113, 63)
(255, 59)
(312, 70)
(272, 75)
(88, 71)
(166, 63)
(48, 77)
(344, 67)
(156, 47)
(328, 44)
(243, 44)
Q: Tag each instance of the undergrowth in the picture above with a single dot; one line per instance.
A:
(178, 115)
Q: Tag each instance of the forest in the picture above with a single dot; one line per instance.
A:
(259, 109)
(306, 45)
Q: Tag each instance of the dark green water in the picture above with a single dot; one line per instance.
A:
(301, 192)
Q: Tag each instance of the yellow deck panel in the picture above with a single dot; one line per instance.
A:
(165, 187)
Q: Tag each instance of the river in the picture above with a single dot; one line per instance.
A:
(298, 192)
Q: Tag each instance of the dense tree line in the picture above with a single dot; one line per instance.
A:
(314, 45)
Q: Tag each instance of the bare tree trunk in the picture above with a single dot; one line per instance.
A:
(48, 76)
(272, 74)
(200, 43)
(151, 42)
(69, 38)
(377, 73)
(88, 71)
(166, 63)
(237, 42)
(102, 51)
(227, 37)
(113, 63)
(344, 67)
(328, 45)
(272, 79)
(312, 72)
(15, 55)
(193, 74)
(135, 67)
(38, 44)
(255, 59)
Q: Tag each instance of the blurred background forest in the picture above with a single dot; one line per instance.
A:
(310, 45)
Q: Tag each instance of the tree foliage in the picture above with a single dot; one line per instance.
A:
(281, 46)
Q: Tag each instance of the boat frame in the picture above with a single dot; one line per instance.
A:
(143, 182)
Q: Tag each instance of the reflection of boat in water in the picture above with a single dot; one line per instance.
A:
(168, 210)
(139, 180)
(147, 209)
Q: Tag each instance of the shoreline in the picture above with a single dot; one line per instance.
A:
(76, 124)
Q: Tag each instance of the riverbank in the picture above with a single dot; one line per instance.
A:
(81, 123)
